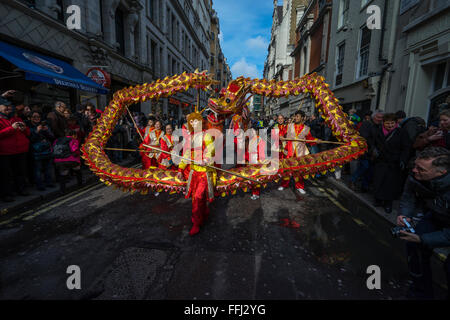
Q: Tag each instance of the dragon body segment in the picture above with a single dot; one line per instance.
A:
(230, 102)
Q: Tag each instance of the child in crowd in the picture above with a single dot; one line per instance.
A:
(66, 151)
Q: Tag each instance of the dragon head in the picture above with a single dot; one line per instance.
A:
(231, 100)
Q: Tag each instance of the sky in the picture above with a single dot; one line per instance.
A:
(245, 27)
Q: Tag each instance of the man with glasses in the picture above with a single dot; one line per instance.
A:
(427, 193)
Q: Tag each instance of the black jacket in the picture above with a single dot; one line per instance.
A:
(389, 152)
(429, 197)
(393, 148)
(368, 131)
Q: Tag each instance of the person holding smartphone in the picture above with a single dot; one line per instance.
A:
(14, 145)
(436, 137)
(427, 191)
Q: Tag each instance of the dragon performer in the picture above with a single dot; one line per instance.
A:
(201, 180)
(231, 102)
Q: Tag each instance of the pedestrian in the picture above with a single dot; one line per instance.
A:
(426, 198)
(82, 119)
(314, 125)
(72, 124)
(436, 137)
(391, 151)
(14, 146)
(67, 114)
(41, 148)
(91, 114)
(363, 173)
(57, 121)
(66, 153)
(273, 121)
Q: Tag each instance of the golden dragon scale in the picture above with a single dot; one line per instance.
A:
(138, 180)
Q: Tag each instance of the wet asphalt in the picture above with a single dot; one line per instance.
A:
(128, 246)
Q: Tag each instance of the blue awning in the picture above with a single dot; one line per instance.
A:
(38, 67)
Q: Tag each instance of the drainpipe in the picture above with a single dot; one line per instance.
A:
(380, 53)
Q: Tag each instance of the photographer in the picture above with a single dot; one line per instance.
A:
(14, 145)
(427, 192)
(41, 146)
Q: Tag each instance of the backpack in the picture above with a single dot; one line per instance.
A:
(61, 150)
(42, 150)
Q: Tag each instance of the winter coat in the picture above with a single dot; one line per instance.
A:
(13, 141)
(430, 197)
(41, 143)
(389, 175)
(57, 123)
(368, 131)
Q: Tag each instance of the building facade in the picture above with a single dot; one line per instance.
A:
(420, 84)
(135, 41)
(279, 64)
(375, 54)
(218, 63)
(312, 47)
(360, 56)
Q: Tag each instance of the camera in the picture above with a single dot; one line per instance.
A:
(396, 230)
(44, 123)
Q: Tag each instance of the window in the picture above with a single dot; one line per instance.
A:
(169, 64)
(344, 8)
(439, 76)
(305, 52)
(101, 17)
(120, 31)
(174, 67)
(182, 41)
(340, 63)
(173, 27)
(364, 51)
(60, 4)
(151, 9)
(154, 51)
(168, 24)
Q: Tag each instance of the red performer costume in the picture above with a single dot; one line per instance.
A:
(297, 130)
(237, 125)
(146, 162)
(152, 139)
(165, 160)
(282, 127)
(256, 153)
(201, 180)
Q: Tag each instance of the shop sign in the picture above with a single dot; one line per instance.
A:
(99, 76)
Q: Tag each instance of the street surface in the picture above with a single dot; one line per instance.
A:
(282, 246)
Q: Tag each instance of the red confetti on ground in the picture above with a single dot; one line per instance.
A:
(289, 223)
